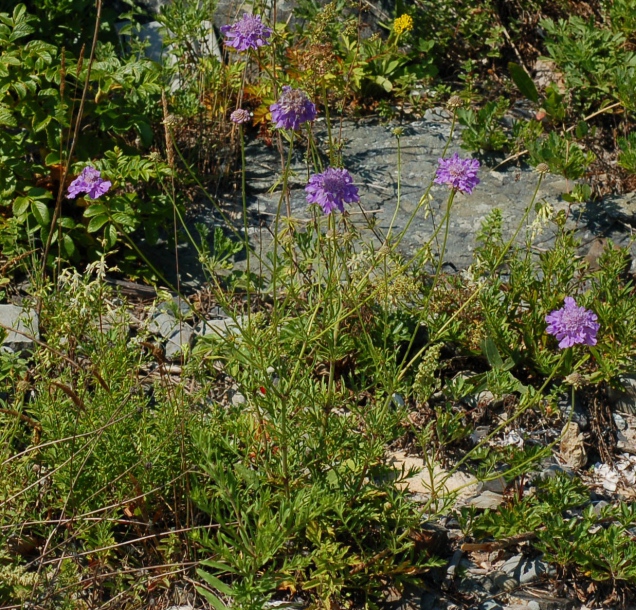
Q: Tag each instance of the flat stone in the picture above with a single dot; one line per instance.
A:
(620, 421)
(163, 324)
(177, 306)
(624, 399)
(21, 320)
(219, 327)
(439, 482)
(178, 340)
(622, 207)
(486, 500)
(525, 570)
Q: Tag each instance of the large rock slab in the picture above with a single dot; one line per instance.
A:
(370, 153)
(25, 325)
(390, 200)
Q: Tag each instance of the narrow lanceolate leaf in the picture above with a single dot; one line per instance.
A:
(213, 599)
(523, 81)
(216, 583)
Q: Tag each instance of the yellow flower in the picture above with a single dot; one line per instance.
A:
(404, 23)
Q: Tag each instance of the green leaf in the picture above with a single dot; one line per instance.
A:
(523, 81)
(6, 117)
(96, 223)
(385, 83)
(20, 206)
(215, 582)
(111, 235)
(213, 599)
(223, 567)
(69, 245)
(145, 132)
(53, 158)
(41, 212)
(67, 223)
(95, 210)
(492, 353)
(39, 126)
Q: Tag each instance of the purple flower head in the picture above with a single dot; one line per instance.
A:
(247, 33)
(240, 116)
(572, 324)
(459, 174)
(292, 109)
(332, 189)
(89, 182)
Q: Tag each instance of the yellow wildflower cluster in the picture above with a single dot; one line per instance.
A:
(404, 23)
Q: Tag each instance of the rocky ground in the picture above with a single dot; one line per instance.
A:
(487, 576)
(370, 153)
(476, 576)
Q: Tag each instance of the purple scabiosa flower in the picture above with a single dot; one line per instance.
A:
(332, 189)
(89, 182)
(572, 325)
(240, 116)
(458, 173)
(292, 109)
(247, 33)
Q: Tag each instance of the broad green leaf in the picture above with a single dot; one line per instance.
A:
(6, 117)
(69, 245)
(20, 206)
(96, 223)
(523, 81)
(95, 210)
(67, 223)
(41, 212)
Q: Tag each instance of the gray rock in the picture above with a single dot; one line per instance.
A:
(579, 416)
(486, 500)
(622, 207)
(221, 327)
(236, 398)
(503, 581)
(491, 604)
(619, 420)
(480, 433)
(525, 570)
(178, 340)
(152, 34)
(163, 324)
(21, 320)
(624, 399)
(179, 306)
(599, 507)
(553, 470)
